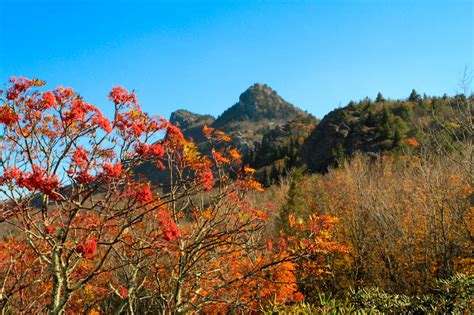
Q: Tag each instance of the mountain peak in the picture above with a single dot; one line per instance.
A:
(259, 102)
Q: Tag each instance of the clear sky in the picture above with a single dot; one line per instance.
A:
(200, 55)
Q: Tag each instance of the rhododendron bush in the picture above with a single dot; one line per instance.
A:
(85, 231)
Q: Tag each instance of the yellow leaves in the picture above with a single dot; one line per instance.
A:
(295, 221)
(222, 136)
(291, 219)
(253, 184)
(248, 170)
(214, 134)
(207, 214)
(191, 153)
(207, 130)
(235, 154)
(226, 138)
(134, 113)
(37, 82)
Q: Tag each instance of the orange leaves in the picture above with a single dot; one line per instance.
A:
(207, 131)
(253, 184)
(235, 155)
(412, 142)
(252, 283)
(219, 157)
(248, 170)
(214, 134)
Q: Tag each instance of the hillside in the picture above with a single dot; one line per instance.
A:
(379, 126)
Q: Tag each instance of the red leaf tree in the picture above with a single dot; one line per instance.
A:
(125, 213)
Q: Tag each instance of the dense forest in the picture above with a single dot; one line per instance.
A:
(264, 209)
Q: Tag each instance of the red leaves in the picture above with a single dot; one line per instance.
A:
(297, 297)
(120, 95)
(83, 177)
(8, 116)
(170, 230)
(270, 245)
(20, 85)
(206, 179)
(102, 122)
(112, 171)
(137, 129)
(11, 173)
(80, 158)
(120, 198)
(48, 229)
(49, 100)
(63, 94)
(143, 194)
(39, 180)
(174, 134)
(123, 292)
(220, 158)
(78, 111)
(132, 122)
(88, 248)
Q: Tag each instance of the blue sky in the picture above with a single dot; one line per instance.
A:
(200, 55)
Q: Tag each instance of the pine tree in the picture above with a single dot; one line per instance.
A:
(379, 98)
(414, 96)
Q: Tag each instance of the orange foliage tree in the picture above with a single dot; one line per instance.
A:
(126, 214)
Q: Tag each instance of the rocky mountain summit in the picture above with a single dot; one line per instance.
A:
(260, 121)
(259, 110)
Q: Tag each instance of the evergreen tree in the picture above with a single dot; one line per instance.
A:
(414, 97)
(294, 199)
(371, 119)
(379, 98)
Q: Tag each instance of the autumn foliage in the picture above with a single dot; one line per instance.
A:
(85, 231)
